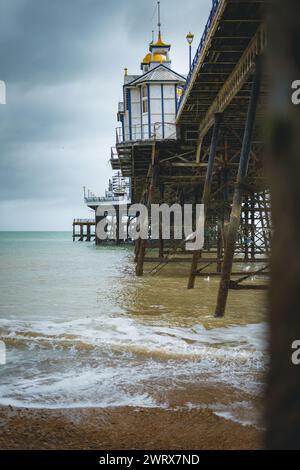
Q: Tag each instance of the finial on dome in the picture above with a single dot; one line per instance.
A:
(159, 41)
(159, 23)
(159, 50)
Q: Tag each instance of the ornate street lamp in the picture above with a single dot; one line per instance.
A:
(190, 38)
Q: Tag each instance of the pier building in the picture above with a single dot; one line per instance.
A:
(200, 139)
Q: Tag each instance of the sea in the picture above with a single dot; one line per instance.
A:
(80, 330)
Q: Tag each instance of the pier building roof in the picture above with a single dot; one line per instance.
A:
(158, 74)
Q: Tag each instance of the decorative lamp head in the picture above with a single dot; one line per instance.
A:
(190, 38)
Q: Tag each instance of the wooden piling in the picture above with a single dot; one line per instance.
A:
(154, 174)
(117, 209)
(81, 233)
(206, 192)
(161, 241)
(88, 233)
(238, 194)
(253, 220)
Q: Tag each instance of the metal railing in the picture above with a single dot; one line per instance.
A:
(237, 78)
(83, 221)
(104, 199)
(138, 132)
(214, 9)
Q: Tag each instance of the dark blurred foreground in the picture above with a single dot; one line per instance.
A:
(283, 389)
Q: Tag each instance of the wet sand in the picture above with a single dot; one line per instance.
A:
(122, 428)
(188, 423)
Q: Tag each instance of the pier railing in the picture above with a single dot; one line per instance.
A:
(214, 9)
(83, 221)
(88, 200)
(236, 79)
(137, 132)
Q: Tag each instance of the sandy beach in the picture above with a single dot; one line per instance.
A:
(122, 428)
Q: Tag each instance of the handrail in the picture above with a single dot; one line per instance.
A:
(83, 221)
(237, 78)
(104, 199)
(158, 131)
(214, 9)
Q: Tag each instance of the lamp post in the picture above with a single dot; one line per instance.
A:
(190, 38)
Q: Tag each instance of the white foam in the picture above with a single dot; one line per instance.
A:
(126, 361)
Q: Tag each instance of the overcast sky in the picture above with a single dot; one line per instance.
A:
(63, 61)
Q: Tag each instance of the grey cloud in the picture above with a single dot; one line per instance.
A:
(63, 62)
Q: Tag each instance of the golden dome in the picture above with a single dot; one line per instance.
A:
(147, 58)
(159, 58)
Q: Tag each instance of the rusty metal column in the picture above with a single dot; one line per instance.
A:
(117, 240)
(139, 270)
(88, 232)
(81, 233)
(161, 241)
(253, 227)
(206, 191)
(238, 194)
(246, 233)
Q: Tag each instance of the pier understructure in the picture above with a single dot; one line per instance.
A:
(215, 156)
(84, 230)
(117, 197)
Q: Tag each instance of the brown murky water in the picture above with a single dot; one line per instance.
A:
(83, 331)
(164, 297)
(221, 349)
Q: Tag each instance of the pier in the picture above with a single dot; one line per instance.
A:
(211, 150)
(86, 230)
(223, 100)
(118, 196)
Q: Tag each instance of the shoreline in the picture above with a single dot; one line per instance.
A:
(124, 428)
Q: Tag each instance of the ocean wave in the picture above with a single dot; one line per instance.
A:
(121, 362)
(235, 347)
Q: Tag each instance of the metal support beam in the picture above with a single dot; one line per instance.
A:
(88, 233)
(206, 192)
(117, 209)
(142, 245)
(238, 194)
(161, 241)
(81, 233)
(198, 151)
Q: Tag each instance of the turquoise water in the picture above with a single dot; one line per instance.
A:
(44, 275)
(81, 330)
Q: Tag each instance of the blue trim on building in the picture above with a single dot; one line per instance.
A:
(129, 113)
(162, 111)
(149, 113)
(123, 129)
(176, 102)
(141, 111)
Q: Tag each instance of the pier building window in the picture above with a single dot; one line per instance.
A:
(145, 99)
